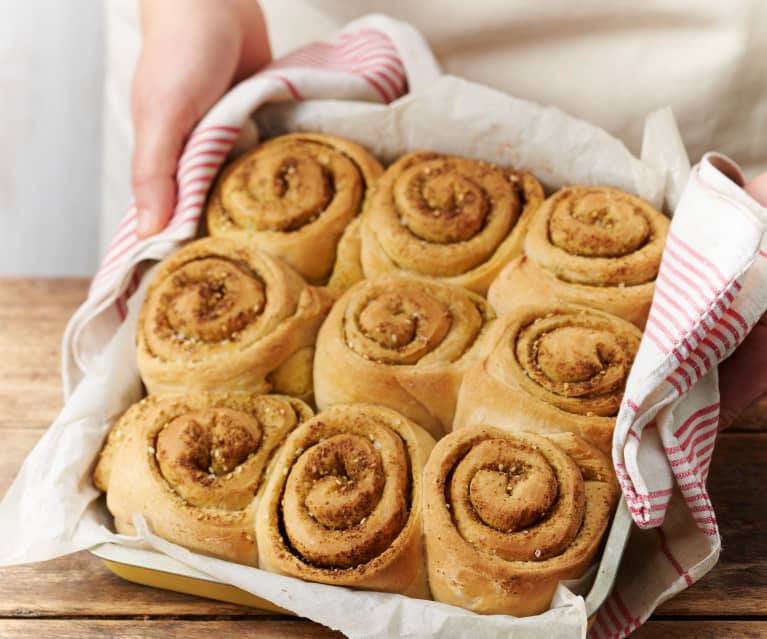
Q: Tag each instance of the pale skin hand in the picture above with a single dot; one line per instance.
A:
(194, 50)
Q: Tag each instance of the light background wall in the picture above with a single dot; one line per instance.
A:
(50, 136)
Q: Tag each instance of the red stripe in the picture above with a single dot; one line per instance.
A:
(698, 305)
(695, 470)
(187, 194)
(119, 237)
(291, 87)
(686, 460)
(221, 127)
(710, 344)
(700, 424)
(193, 156)
(345, 53)
(110, 262)
(665, 331)
(392, 85)
(603, 627)
(691, 319)
(693, 364)
(696, 441)
(373, 83)
(665, 350)
(631, 404)
(763, 253)
(722, 338)
(613, 619)
(196, 142)
(130, 214)
(622, 607)
(698, 256)
(735, 334)
(385, 65)
(739, 318)
(701, 354)
(671, 317)
(654, 522)
(685, 375)
(672, 560)
(656, 507)
(185, 182)
(199, 165)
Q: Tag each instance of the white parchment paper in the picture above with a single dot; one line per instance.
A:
(52, 508)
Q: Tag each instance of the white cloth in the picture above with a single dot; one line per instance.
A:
(667, 422)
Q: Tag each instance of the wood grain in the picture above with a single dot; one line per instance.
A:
(77, 596)
(141, 628)
(710, 629)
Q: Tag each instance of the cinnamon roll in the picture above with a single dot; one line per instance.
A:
(292, 197)
(222, 315)
(447, 217)
(193, 464)
(343, 502)
(509, 515)
(552, 367)
(403, 342)
(597, 246)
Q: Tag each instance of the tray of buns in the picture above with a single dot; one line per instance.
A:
(399, 379)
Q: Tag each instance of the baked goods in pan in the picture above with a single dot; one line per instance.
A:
(403, 342)
(551, 368)
(508, 515)
(192, 464)
(343, 502)
(596, 246)
(223, 315)
(293, 196)
(447, 217)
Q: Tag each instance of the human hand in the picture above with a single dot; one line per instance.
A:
(193, 51)
(741, 376)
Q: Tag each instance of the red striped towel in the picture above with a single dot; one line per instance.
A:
(709, 294)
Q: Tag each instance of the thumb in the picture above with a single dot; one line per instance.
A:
(740, 378)
(740, 381)
(161, 126)
(757, 189)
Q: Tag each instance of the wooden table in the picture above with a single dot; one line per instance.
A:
(77, 596)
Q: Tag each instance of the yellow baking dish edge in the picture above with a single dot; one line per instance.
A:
(141, 566)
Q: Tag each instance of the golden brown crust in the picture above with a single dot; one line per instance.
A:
(193, 465)
(292, 197)
(447, 217)
(403, 342)
(597, 246)
(221, 315)
(509, 515)
(342, 504)
(551, 368)
(348, 267)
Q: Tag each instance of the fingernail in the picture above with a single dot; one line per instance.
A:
(144, 223)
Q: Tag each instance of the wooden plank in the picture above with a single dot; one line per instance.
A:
(33, 315)
(738, 583)
(754, 417)
(701, 629)
(273, 628)
(140, 628)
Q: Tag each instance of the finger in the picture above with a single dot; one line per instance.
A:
(162, 123)
(740, 379)
(757, 189)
